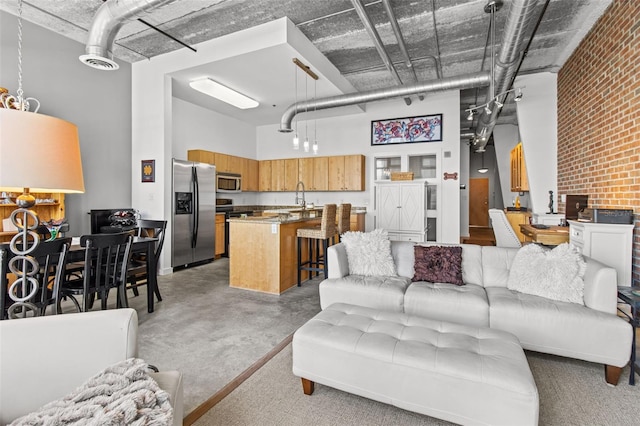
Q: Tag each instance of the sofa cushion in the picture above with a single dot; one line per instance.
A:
(445, 302)
(555, 274)
(561, 328)
(385, 293)
(403, 256)
(369, 253)
(496, 262)
(438, 264)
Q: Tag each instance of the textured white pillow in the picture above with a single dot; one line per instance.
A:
(555, 274)
(369, 253)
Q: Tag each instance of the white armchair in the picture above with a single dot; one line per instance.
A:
(46, 358)
(504, 233)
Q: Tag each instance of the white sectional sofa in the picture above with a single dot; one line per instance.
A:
(591, 332)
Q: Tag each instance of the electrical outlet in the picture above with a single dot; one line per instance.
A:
(563, 198)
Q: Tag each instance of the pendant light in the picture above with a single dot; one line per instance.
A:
(306, 122)
(315, 121)
(483, 169)
(296, 139)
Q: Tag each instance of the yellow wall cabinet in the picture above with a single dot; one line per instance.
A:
(346, 173)
(519, 181)
(333, 173)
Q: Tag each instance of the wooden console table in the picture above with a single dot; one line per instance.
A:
(551, 236)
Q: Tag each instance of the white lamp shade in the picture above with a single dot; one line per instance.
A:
(39, 152)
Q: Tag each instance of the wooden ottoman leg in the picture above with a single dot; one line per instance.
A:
(612, 374)
(307, 386)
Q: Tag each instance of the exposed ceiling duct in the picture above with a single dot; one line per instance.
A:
(377, 42)
(521, 14)
(469, 81)
(108, 20)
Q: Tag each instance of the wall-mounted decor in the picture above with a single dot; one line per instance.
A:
(148, 170)
(425, 128)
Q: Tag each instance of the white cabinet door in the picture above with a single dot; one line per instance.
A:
(412, 208)
(388, 209)
(401, 210)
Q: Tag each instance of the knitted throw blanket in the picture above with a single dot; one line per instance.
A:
(122, 394)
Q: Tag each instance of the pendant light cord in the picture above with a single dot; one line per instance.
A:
(20, 92)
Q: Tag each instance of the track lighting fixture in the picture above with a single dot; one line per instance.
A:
(518, 96)
(496, 101)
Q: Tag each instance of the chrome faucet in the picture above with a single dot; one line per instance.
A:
(300, 201)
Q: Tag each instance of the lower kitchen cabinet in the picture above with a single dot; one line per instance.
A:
(220, 234)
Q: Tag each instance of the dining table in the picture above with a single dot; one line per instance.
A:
(144, 245)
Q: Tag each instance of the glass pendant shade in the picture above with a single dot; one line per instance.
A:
(296, 142)
(306, 145)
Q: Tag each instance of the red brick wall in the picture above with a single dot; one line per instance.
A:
(599, 117)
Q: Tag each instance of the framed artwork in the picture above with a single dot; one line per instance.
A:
(425, 128)
(148, 170)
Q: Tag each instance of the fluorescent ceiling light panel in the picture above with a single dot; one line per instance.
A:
(223, 93)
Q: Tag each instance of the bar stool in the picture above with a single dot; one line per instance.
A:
(344, 219)
(325, 232)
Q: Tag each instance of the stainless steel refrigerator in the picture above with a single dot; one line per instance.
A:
(193, 217)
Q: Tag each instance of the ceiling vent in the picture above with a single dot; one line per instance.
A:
(109, 18)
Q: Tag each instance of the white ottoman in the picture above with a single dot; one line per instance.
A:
(458, 373)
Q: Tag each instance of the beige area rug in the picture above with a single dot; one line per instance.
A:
(571, 393)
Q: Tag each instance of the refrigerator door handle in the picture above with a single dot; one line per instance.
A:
(196, 209)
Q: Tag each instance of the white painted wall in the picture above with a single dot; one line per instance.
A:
(195, 127)
(97, 102)
(464, 193)
(538, 125)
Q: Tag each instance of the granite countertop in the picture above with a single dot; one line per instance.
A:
(291, 208)
(280, 219)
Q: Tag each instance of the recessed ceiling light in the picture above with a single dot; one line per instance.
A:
(223, 93)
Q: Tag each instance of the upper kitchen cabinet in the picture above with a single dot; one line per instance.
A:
(250, 173)
(284, 174)
(201, 156)
(346, 173)
(519, 181)
(314, 173)
(264, 174)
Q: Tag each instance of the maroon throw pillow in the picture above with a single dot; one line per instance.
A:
(438, 264)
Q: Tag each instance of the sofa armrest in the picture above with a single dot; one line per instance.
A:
(45, 358)
(600, 286)
(337, 262)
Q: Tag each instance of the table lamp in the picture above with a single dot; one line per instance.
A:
(38, 153)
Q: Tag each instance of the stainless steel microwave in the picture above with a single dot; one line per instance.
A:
(228, 182)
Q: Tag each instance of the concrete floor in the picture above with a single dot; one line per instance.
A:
(211, 332)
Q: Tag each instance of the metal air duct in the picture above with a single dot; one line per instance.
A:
(469, 81)
(109, 18)
(520, 16)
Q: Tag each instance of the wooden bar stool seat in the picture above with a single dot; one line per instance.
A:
(317, 261)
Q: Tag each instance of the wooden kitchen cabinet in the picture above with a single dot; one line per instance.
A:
(221, 162)
(234, 164)
(264, 174)
(519, 181)
(291, 171)
(515, 220)
(201, 156)
(314, 173)
(220, 234)
(357, 222)
(250, 173)
(346, 173)
(277, 175)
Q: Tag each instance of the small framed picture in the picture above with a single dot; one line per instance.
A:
(148, 170)
(425, 128)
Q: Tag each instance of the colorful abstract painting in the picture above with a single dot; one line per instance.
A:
(426, 128)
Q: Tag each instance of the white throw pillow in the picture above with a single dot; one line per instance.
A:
(369, 253)
(555, 274)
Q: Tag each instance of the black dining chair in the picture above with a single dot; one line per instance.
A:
(52, 258)
(106, 258)
(137, 271)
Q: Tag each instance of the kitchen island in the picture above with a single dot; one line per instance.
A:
(263, 251)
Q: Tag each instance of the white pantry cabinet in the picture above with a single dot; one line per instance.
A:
(402, 210)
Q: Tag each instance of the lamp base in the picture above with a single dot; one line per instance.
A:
(26, 200)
